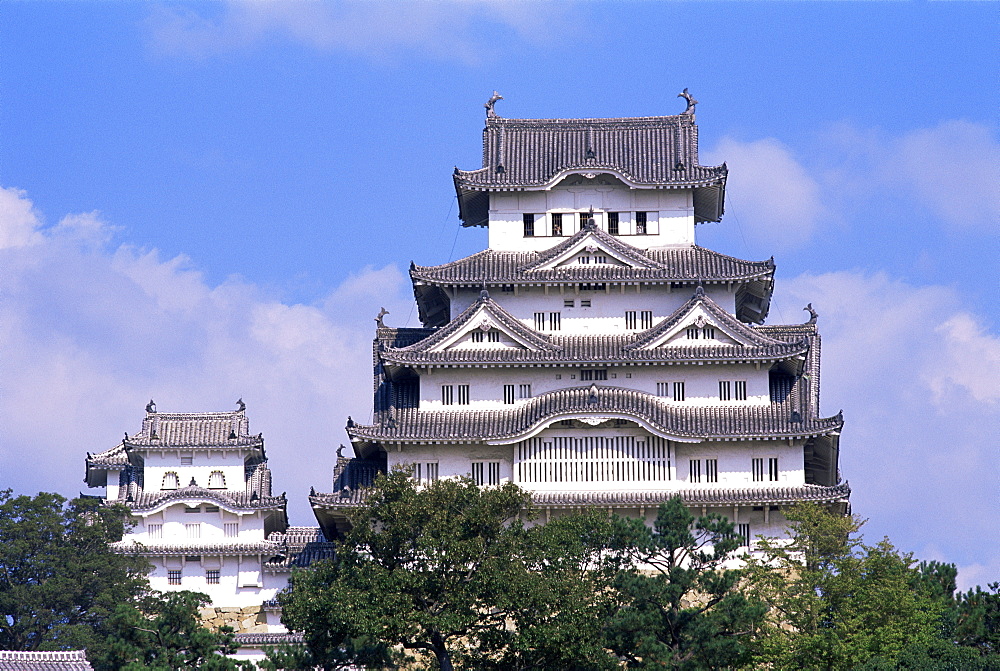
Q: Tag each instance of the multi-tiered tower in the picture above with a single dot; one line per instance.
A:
(594, 354)
(199, 490)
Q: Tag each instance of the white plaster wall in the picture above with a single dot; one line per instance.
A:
(230, 462)
(173, 518)
(606, 314)
(235, 574)
(701, 383)
(670, 218)
(735, 463)
(454, 460)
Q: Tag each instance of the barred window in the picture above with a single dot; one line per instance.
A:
(678, 391)
(539, 321)
(232, 529)
(708, 333)
(508, 394)
(583, 260)
(155, 531)
(492, 335)
(524, 391)
(630, 321)
(486, 473)
(592, 286)
(568, 304)
(757, 468)
(694, 470)
(212, 576)
(725, 390)
(663, 389)
(173, 577)
(477, 336)
(640, 223)
(187, 461)
(447, 394)
(170, 481)
(647, 319)
(613, 223)
(555, 321)
(463, 394)
(557, 223)
(588, 375)
(425, 472)
(743, 531)
(711, 470)
(193, 530)
(585, 303)
(772, 469)
(741, 390)
(529, 225)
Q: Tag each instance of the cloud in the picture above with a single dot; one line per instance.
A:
(91, 332)
(915, 373)
(445, 29)
(19, 223)
(771, 194)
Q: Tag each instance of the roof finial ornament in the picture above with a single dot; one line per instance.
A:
(490, 114)
(593, 394)
(378, 320)
(340, 451)
(240, 405)
(700, 289)
(812, 313)
(484, 293)
(150, 407)
(125, 438)
(350, 422)
(690, 101)
(192, 483)
(590, 224)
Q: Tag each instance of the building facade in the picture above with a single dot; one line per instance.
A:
(199, 489)
(594, 354)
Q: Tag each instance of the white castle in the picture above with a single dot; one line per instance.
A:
(594, 354)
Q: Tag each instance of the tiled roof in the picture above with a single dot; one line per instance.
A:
(632, 348)
(116, 456)
(17, 660)
(144, 501)
(776, 420)
(691, 496)
(301, 546)
(688, 263)
(244, 640)
(201, 429)
(161, 550)
(644, 151)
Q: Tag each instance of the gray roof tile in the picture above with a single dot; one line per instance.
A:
(17, 660)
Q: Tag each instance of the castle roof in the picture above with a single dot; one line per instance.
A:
(750, 344)
(686, 423)
(62, 660)
(643, 152)
(144, 501)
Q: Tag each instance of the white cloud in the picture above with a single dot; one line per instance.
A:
(379, 29)
(915, 374)
(90, 333)
(19, 223)
(771, 194)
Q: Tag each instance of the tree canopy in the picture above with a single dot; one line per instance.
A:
(59, 579)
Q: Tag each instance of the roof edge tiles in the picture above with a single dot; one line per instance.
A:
(145, 501)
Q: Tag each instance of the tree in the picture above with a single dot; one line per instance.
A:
(163, 633)
(681, 607)
(59, 580)
(836, 603)
(419, 569)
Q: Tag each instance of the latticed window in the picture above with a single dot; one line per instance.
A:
(630, 321)
(155, 531)
(772, 469)
(663, 389)
(425, 472)
(725, 390)
(508, 394)
(588, 375)
(529, 225)
(609, 459)
(640, 223)
(193, 530)
(212, 576)
(524, 391)
(173, 577)
(187, 461)
(711, 470)
(463, 394)
(757, 468)
(678, 391)
(477, 336)
(743, 531)
(613, 223)
(694, 470)
(486, 473)
(646, 317)
(539, 321)
(217, 480)
(557, 223)
(170, 481)
(493, 335)
(555, 321)
(740, 387)
(231, 529)
(447, 394)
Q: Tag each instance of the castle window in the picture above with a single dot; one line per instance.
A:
(772, 469)
(508, 394)
(613, 223)
(711, 470)
(524, 391)
(493, 335)
(678, 391)
(640, 223)
(187, 461)
(529, 225)
(425, 472)
(477, 336)
(646, 317)
(741, 390)
(630, 321)
(757, 468)
(663, 389)
(583, 260)
(173, 577)
(709, 333)
(217, 480)
(192, 530)
(568, 304)
(463, 394)
(170, 481)
(196, 509)
(486, 473)
(231, 529)
(555, 321)
(557, 224)
(447, 394)
(693, 332)
(212, 576)
(592, 286)
(694, 470)
(743, 531)
(585, 304)
(725, 390)
(155, 531)
(594, 374)
(211, 509)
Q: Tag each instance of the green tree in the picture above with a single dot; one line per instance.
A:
(163, 633)
(59, 580)
(681, 607)
(836, 603)
(419, 569)
(978, 621)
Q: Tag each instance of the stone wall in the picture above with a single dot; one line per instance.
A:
(246, 620)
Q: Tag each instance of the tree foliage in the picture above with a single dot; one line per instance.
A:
(59, 580)
(681, 607)
(163, 633)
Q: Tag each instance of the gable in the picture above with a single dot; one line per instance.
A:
(591, 251)
(699, 328)
(482, 330)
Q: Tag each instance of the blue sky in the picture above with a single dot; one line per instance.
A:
(207, 201)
